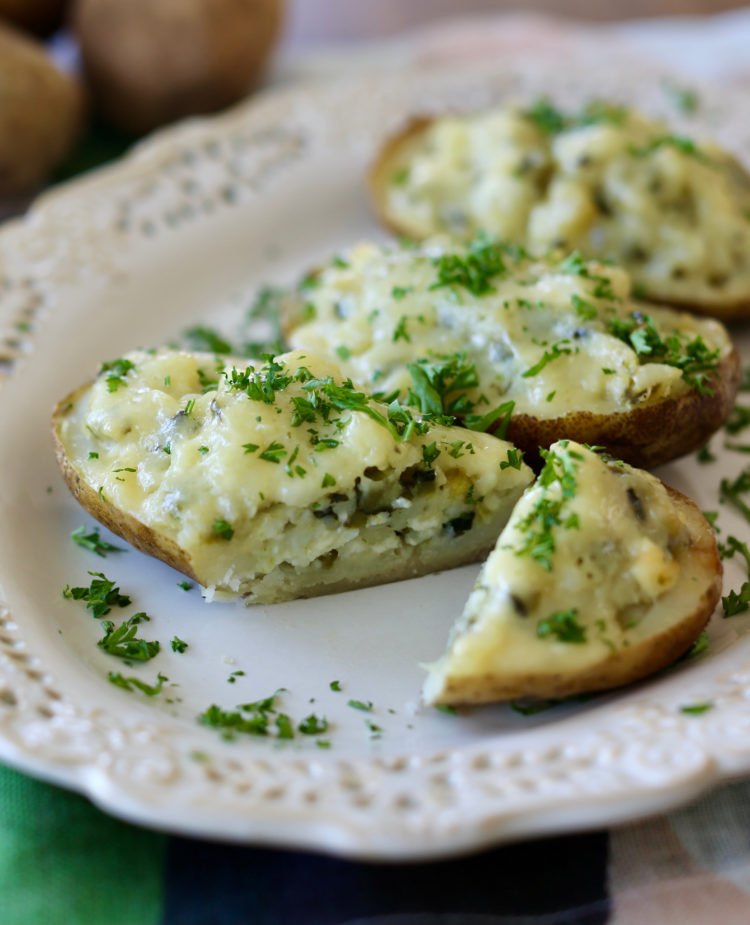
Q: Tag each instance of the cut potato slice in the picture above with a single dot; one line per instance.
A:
(557, 343)
(280, 479)
(606, 181)
(602, 576)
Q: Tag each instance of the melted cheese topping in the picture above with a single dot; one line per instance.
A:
(541, 335)
(589, 551)
(608, 182)
(252, 469)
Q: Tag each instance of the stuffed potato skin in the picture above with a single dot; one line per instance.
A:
(606, 181)
(618, 587)
(560, 338)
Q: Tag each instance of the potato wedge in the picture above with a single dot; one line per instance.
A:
(537, 350)
(278, 480)
(602, 576)
(606, 181)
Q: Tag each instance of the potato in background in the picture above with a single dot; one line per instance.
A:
(41, 112)
(149, 62)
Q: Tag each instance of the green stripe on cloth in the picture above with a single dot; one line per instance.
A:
(62, 860)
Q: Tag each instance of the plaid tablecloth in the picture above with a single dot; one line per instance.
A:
(63, 862)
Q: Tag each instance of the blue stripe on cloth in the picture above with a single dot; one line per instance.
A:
(555, 881)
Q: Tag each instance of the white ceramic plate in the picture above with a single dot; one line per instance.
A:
(184, 231)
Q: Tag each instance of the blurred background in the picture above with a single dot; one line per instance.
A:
(341, 20)
(81, 80)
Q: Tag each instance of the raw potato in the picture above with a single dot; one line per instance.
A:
(41, 110)
(539, 335)
(606, 181)
(149, 62)
(281, 487)
(602, 577)
(39, 16)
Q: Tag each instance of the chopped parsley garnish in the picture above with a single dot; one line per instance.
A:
(556, 350)
(735, 603)
(696, 362)
(684, 98)
(222, 529)
(312, 725)
(430, 453)
(94, 542)
(584, 309)
(375, 731)
(514, 460)
(255, 719)
(704, 455)
(123, 642)
(680, 143)
(733, 545)
(700, 645)
(400, 332)
(274, 452)
(439, 391)
(208, 340)
(399, 292)
(732, 491)
(178, 645)
(262, 385)
(328, 481)
(546, 514)
(129, 684)
(284, 728)
(100, 597)
(343, 351)
(116, 371)
(335, 685)
(695, 709)
(400, 176)
(360, 705)
(712, 517)
(548, 118)
(446, 708)
(564, 625)
(475, 270)
(738, 419)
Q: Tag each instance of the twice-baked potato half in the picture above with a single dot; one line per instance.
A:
(537, 349)
(602, 576)
(606, 181)
(278, 479)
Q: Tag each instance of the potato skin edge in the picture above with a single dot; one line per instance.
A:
(377, 180)
(621, 667)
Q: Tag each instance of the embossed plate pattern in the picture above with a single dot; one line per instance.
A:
(185, 230)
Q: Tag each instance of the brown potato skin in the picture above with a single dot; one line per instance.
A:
(41, 113)
(379, 174)
(118, 521)
(149, 62)
(646, 436)
(627, 665)
(411, 565)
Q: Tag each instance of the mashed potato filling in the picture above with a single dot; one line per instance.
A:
(607, 181)
(594, 561)
(279, 478)
(550, 335)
